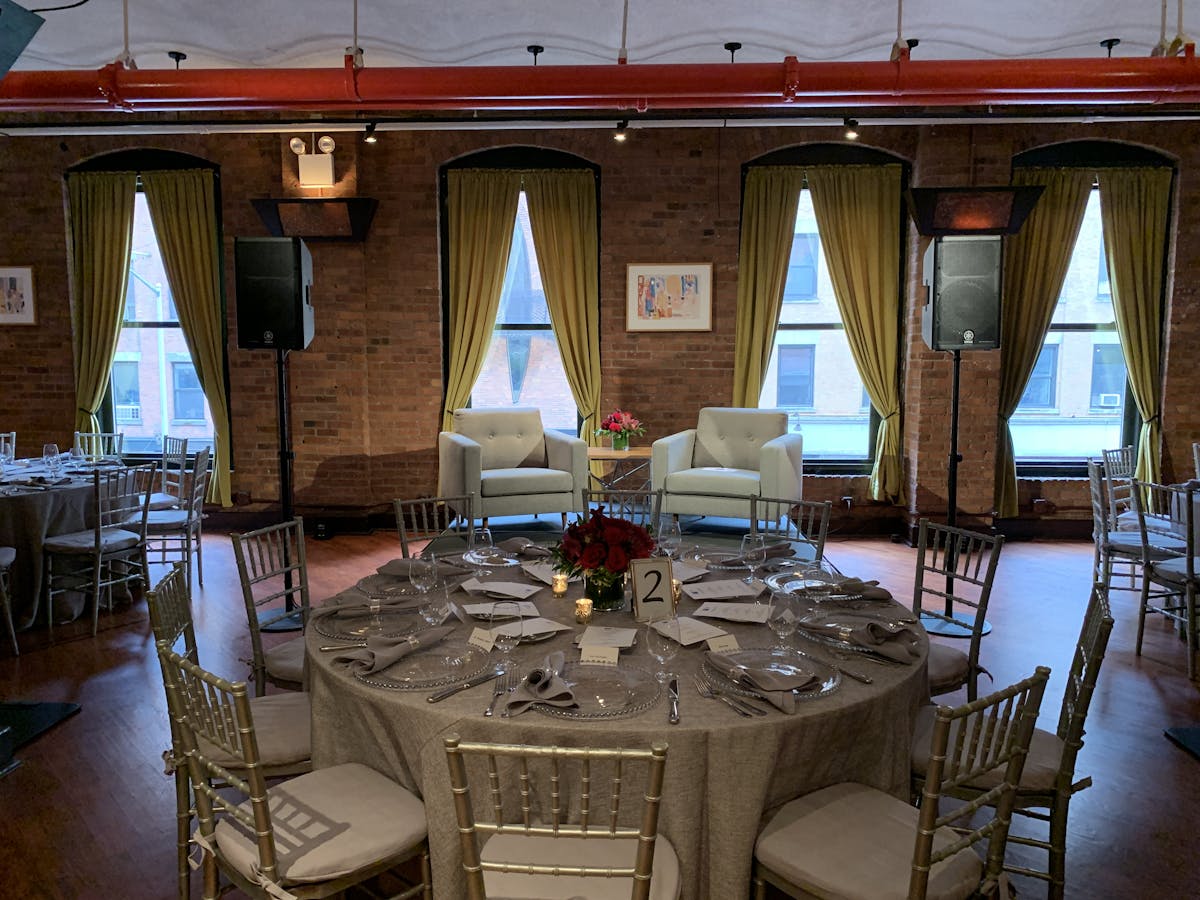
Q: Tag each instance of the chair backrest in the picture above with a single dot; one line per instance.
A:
(640, 507)
(508, 438)
(1195, 454)
(732, 437)
(8, 445)
(97, 444)
(1097, 493)
(197, 486)
(1118, 478)
(956, 567)
(1081, 681)
(596, 815)
(122, 497)
(431, 517)
(968, 742)
(799, 521)
(170, 609)
(207, 711)
(1165, 509)
(173, 474)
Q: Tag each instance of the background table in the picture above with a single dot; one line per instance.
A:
(627, 470)
(724, 773)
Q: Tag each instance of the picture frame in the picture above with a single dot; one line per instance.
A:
(17, 305)
(651, 582)
(668, 297)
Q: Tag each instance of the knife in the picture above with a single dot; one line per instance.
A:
(673, 696)
(470, 683)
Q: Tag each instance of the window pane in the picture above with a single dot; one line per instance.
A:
(1040, 392)
(188, 397)
(523, 366)
(801, 282)
(795, 375)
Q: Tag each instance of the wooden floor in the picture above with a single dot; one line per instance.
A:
(89, 813)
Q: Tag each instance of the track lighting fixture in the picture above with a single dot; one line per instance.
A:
(851, 129)
(622, 131)
(369, 134)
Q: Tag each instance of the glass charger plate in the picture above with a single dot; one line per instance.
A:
(812, 585)
(449, 662)
(782, 661)
(490, 558)
(819, 637)
(605, 692)
(356, 622)
(715, 560)
(388, 585)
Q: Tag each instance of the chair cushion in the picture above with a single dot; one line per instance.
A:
(1128, 520)
(1174, 569)
(948, 668)
(738, 482)
(163, 501)
(571, 851)
(853, 841)
(508, 438)
(508, 482)
(8, 555)
(286, 661)
(111, 541)
(1041, 765)
(329, 823)
(733, 437)
(161, 520)
(283, 725)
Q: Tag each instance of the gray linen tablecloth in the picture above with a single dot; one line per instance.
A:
(724, 774)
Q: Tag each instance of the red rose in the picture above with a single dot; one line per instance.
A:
(593, 556)
(617, 561)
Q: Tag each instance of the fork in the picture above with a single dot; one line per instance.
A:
(507, 682)
(709, 694)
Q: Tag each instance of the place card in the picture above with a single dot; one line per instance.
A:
(734, 612)
(726, 589)
(481, 638)
(726, 643)
(530, 627)
(686, 572)
(608, 636)
(500, 588)
(691, 631)
(597, 655)
(543, 571)
(457, 612)
(483, 610)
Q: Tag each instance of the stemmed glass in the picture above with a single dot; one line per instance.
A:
(782, 617)
(483, 547)
(754, 554)
(50, 459)
(507, 628)
(375, 603)
(668, 537)
(423, 575)
(662, 640)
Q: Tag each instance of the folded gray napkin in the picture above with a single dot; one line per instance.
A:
(401, 567)
(891, 639)
(381, 652)
(42, 479)
(774, 551)
(870, 590)
(523, 547)
(543, 685)
(776, 687)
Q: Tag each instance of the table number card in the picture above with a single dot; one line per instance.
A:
(651, 588)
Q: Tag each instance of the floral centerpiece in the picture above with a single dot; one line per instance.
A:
(620, 426)
(599, 548)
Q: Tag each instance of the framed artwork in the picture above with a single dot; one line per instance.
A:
(660, 297)
(16, 297)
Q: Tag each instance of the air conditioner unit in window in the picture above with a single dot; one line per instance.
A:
(1110, 400)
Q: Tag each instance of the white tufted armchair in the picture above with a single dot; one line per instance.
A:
(731, 455)
(511, 464)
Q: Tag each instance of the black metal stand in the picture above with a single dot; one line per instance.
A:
(962, 624)
(286, 501)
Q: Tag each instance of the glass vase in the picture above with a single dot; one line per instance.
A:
(620, 441)
(607, 592)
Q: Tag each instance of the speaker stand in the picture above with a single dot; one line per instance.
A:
(294, 621)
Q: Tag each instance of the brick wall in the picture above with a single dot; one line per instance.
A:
(366, 396)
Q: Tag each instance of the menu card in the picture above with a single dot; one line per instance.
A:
(691, 631)
(530, 627)
(725, 589)
(502, 588)
(735, 612)
(608, 636)
(484, 610)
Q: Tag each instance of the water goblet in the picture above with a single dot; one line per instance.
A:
(662, 640)
(507, 628)
(423, 575)
(375, 602)
(482, 545)
(50, 459)
(782, 617)
(754, 554)
(668, 537)
(436, 605)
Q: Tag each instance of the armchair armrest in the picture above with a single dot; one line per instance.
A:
(460, 464)
(672, 453)
(568, 453)
(781, 467)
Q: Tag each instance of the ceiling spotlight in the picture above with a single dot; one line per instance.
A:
(1109, 43)
(851, 129)
(733, 47)
(622, 131)
(369, 134)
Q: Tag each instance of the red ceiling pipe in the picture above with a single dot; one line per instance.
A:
(938, 83)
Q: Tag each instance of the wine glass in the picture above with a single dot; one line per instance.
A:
(782, 617)
(483, 547)
(507, 628)
(754, 554)
(423, 575)
(662, 640)
(50, 458)
(436, 605)
(669, 537)
(375, 602)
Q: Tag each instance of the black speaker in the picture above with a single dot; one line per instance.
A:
(962, 293)
(274, 293)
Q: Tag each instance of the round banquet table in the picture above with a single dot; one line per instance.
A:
(724, 773)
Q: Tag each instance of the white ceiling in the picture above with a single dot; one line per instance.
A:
(315, 33)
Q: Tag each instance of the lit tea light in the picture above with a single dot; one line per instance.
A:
(558, 584)
(676, 592)
(583, 610)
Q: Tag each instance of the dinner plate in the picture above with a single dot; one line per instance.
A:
(605, 692)
(782, 661)
(831, 640)
(715, 560)
(448, 662)
(815, 586)
(354, 623)
(388, 585)
(491, 558)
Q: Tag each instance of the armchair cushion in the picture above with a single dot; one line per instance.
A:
(508, 438)
(713, 480)
(506, 482)
(733, 438)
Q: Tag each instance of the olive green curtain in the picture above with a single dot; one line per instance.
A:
(101, 236)
(1134, 205)
(481, 207)
(858, 215)
(183, 209)
(562, 217)
(769, 201)
(1035, 264)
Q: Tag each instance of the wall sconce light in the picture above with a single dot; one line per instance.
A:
(316, 169)
(369, 135)
(851, 129)
(622, 131)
